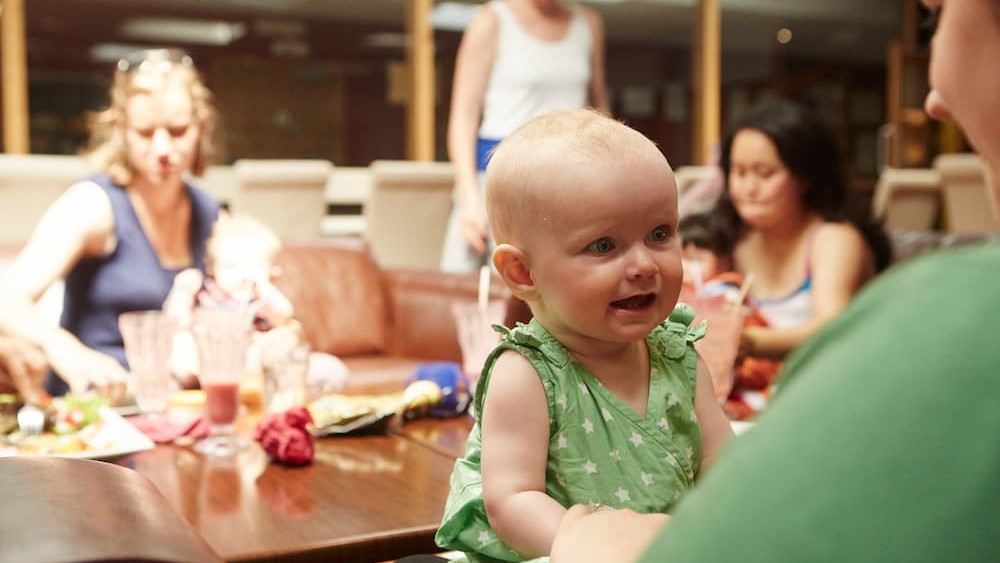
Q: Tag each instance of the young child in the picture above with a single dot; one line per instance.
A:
(707, 253)
(599, 399)
(240, 262)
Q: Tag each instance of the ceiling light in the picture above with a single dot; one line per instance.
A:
(113, 52)
(179, 30)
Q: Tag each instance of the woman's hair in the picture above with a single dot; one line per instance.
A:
(145, 72)
(811, 154)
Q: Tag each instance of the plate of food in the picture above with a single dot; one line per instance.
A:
(79, 426)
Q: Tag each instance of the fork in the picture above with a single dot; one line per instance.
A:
(30, 420)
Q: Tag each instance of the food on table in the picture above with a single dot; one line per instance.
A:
(69, 425)
(335, 413)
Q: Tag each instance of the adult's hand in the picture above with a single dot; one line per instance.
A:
(608, 536)
(82, 367)
(23, 368)
(474, 226)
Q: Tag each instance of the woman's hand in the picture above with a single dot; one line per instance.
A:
(608, 536)
(474, 226)
(23, 367)
(82, 367)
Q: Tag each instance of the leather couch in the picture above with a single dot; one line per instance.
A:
(381, 323)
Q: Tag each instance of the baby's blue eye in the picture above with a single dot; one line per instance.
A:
(601, 246)
(659, 234)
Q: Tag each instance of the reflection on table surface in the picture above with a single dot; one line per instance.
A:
(364, 498)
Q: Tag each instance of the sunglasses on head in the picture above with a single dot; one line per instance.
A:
(154, 59)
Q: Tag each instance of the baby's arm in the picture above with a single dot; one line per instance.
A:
(274, 305)
(515, 431)
(715, 429)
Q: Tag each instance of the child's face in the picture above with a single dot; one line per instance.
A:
(707, 263)
(239, 266)
(762, 188)
(603, 252)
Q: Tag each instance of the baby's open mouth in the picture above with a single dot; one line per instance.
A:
(634, 302)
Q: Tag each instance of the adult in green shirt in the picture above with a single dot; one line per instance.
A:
(884, 442)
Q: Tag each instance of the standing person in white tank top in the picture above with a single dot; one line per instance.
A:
(517, 59)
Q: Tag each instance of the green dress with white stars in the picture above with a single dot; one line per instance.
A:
(600, 449)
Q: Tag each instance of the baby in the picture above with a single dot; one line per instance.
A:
(706, 252)
(240, 263)
(600, 399)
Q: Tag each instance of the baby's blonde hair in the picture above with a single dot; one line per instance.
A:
(526, 165)
(256, 234)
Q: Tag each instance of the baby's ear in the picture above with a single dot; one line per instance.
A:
(510, 262)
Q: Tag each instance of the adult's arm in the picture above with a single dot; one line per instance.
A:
(597, 93)
(515, 437)
(473, 66)
(840, 263)
(77, 225)
(22, 368)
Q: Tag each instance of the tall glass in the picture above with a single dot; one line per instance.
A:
(223, 336)
(148, 338)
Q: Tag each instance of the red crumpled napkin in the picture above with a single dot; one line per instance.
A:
(162, 430)
(285, 438)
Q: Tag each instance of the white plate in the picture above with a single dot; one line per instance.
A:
(110, 437)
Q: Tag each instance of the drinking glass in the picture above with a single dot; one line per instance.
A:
(223, 336)
(148, 338)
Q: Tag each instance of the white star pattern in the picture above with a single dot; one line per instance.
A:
(583, 387)
(663, 423)
(588, 426)
(672, 460)
(560, 479)
(672, 400)
(606, 413)
(636, 439)
(622, 495)
(562, 443)
(484, 537)
(694, 418)
(562, 401)
(689, 452)
(616, 455)
(590, 467)
(647, 479)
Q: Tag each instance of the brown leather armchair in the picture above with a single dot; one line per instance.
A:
(381, 323)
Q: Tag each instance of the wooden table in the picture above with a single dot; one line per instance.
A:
(364, 498)
(443, 435)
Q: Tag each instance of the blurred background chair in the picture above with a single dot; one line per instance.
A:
(908, 199)
(407, 212)
(30, 183)
(286, 195)
(60, 510)
(347, 190)
(967, 207)
(687, 176)
(220, 181)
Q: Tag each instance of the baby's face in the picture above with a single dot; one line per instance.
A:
(604, 254)
(239, 267)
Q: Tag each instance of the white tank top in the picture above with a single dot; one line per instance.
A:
(531, 76)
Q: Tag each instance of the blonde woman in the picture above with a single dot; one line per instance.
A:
(119, 237)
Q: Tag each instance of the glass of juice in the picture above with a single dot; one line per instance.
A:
(223, 336)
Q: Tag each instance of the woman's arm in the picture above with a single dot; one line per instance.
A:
(473, 66)
(840, 263)
(597, 92)
(712, 422)
(515, 432)
(77, 225)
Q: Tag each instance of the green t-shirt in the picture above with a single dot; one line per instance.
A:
(883, 443)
